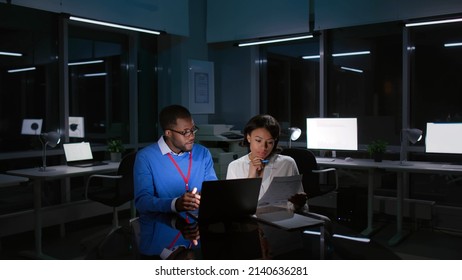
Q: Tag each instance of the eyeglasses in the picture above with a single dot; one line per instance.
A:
(187, 132)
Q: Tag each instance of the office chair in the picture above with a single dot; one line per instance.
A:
(307, 165)
(116, 194)
(135, 236)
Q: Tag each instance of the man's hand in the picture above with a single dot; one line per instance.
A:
(189, 201)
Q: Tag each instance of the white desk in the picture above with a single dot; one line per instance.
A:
(402, 171)
(53, 173)
(10, 180)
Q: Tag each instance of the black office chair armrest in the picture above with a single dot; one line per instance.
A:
(328, 170)
(114, 177)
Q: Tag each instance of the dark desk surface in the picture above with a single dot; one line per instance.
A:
(245, 239)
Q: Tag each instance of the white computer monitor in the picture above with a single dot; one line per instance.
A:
(332, 134)
(445, 138)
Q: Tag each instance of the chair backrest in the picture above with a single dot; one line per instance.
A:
(125, 186)
(306, 163)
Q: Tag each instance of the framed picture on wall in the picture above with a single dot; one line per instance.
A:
(76, 127)
(201, 87)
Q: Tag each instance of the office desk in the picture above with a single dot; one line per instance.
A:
(362, 164)
(160, 233)
(394, 166)
(403, 170)
(54, 173)
(10, 180)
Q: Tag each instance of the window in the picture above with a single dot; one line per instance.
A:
(98, 88)
(364, 80)
(31, 94)
(290, 84)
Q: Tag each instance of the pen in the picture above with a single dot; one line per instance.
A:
(265, 161)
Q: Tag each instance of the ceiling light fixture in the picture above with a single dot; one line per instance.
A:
(103, 23)
(95, 75)
(311, 56)
(21, 70)
(10, 54)
(351, 53)
(447, 45)
(433, 22)
(351, 69)
(85, 62)
(337, 54)
(275, 40)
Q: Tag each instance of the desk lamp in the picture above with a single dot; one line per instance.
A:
(48, 139)
(294, 133)
(411, 134)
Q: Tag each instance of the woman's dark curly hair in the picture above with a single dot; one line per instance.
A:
(263, 121)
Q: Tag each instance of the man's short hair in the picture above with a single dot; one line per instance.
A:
(169, 115)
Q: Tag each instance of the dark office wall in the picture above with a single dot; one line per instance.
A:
(329, 14)
(243, 19)
(171, 16)
(236, 85)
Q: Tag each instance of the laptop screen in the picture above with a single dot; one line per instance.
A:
(77, 151)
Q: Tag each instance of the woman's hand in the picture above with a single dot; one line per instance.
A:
(299, 200)
(256, 167)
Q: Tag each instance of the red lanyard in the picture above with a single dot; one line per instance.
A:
(186, 181)
(185, 178)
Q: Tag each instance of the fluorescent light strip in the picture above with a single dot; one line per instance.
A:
(95, 75)
(114, 25)
(433, 22)
(84, 62)
(351, 69)
(21, 70)
(453, 45)
(311, 56)
(359, 239)
(337, 54)
(275, 40)
(10, 54)
(350, 53)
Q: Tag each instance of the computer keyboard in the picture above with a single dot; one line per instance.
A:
(90, 164)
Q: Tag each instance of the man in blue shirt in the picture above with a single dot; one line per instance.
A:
(168, 174)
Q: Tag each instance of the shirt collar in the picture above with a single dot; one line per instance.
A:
(165, 149)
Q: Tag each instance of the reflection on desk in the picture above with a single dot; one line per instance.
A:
(243, 239)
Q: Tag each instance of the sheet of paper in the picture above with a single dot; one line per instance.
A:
(280, 189)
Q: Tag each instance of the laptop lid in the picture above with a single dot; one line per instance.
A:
(77, 152)
(228, 199)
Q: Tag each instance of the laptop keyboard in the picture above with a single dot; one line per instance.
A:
(90, 164)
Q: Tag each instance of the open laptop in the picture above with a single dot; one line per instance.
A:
(80, 155)
(227, 200)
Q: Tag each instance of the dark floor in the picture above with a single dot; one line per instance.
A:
(82, 238)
